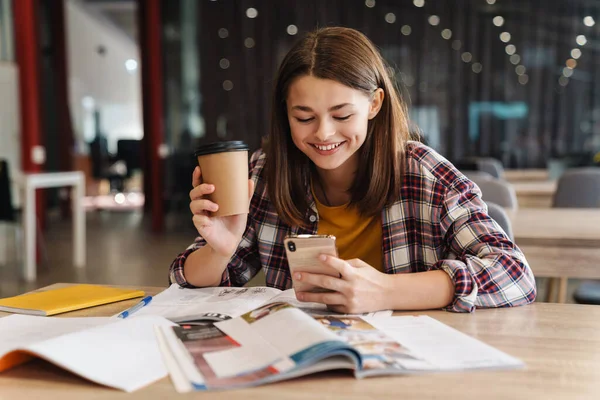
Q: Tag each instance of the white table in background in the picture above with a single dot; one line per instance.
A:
(31, 182)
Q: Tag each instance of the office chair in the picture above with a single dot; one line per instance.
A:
(129, 150)
(8, 214)
(499, 192)
(578, 188)
(490, 165)
(477, 176)
(498, 214)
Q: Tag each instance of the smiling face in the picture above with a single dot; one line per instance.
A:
(329, 120)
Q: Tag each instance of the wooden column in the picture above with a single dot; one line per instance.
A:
(25, 16)
(64, 126)
(153, 109)
(27, 54)
(60, 66)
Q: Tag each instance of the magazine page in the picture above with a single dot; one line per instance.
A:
(380, 353)
(443, 347)
(276, 341)
(219, 303)
(289, 296)
(295, 336)
(207, 304)
(120, 354)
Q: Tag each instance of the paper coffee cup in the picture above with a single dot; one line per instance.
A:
(225, 165)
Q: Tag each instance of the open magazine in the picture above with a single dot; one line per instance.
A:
(219, 303)
(278, 341)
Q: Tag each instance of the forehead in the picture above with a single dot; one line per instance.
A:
(316, 92)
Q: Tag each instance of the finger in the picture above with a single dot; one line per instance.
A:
(201, 221)
(332, 298)
(320, 280)
(357, 263)
(341, 266)
(199, 207)
(338, 308)
(250, 188)
(201, 190)
(196, 177)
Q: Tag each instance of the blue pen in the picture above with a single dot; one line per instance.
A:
(143, 303)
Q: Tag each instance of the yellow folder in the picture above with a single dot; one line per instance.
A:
(56, 301)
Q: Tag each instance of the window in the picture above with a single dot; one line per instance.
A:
(6, 31)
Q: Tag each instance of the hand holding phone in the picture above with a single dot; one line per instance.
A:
(303, 253)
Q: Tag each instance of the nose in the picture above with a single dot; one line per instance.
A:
(325, 131)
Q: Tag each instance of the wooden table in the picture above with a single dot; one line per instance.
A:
(561, 264)
(560, 344)
(556, 227)
(559, 243)
(516, 175)
(535, 194)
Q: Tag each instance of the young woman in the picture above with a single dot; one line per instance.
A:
(412, 231)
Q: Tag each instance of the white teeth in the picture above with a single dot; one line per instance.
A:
(328, 147)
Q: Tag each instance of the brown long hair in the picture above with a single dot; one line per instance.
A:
(346, 56)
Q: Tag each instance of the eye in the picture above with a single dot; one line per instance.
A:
(343, 118)
(304, 120)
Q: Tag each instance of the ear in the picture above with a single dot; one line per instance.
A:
(376, 102)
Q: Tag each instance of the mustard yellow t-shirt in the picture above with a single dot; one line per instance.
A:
(357, 236)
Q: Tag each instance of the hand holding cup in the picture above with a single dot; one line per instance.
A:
(221, 195)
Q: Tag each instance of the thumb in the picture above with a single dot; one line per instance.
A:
(357, 263)
(196, 177)
(250, 189)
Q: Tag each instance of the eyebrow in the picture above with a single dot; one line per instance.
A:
(334, 108)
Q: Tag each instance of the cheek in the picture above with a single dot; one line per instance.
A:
(299, 131)
(297, 135)
(358, 129)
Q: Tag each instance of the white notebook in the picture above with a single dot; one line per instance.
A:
(119, 353)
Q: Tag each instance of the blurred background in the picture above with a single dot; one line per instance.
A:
(124, 90)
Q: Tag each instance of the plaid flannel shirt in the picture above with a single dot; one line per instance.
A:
(439, 223)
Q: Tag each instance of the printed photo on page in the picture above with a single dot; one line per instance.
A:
(377, 350)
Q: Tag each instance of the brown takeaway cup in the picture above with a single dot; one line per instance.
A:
(225, 165)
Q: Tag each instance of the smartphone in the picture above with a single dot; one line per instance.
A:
(303, 253)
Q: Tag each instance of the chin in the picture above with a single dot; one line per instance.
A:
(328, 165)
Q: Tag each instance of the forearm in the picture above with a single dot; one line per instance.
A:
(204, 268)
(419, 291)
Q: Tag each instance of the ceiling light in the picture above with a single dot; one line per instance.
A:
(589, 21)
(292, 30)
(563, 81)
(434, 20)
(131, 65)
(523, 79)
